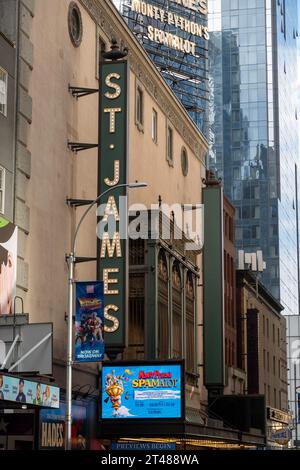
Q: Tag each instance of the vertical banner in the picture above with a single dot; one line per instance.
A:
(112, 210)
(8, 265)
(298, 396)
(213, 314)
(89, 322)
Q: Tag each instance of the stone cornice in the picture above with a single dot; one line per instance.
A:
(110, 21)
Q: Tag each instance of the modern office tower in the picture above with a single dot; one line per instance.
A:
(254, 129)
(175, 35)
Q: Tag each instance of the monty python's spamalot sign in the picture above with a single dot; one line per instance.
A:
(168, 27)
(112, 171)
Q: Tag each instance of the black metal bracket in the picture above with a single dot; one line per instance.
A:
(79, 146)
(34, 373)
(78, 202)
(84, 259)
(78, 91)
(66, 317)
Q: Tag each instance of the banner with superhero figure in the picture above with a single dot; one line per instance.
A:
(89, 322)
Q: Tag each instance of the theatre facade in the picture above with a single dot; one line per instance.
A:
(77, 68)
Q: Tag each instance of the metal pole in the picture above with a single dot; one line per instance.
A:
(296, 407)
(71, 262)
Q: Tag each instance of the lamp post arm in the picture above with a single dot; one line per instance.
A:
(89, 208)
(71, 265)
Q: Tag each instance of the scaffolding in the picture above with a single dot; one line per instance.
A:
(186, 74)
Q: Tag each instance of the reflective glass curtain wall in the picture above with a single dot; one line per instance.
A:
(254, 130)
(253, 121)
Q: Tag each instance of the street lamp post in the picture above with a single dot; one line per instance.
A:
(71, 264)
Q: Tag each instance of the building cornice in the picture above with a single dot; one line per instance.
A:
(112, 24)
(247, 279)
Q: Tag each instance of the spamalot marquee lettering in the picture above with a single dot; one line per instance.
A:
(181, 23)
(112, 171)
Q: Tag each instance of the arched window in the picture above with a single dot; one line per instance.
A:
(163, 328)
(190, 324)
(177, 311)
(136, 319)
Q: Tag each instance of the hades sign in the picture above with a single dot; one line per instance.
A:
(52, 427)
(112, 171)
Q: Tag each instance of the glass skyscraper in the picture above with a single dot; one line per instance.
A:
(254, 127)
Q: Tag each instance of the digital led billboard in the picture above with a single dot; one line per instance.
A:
(142, 390)
(24, 391)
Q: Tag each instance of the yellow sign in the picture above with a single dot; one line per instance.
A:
(172, 19)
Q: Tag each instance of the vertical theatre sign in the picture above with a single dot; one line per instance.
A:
(111, 227)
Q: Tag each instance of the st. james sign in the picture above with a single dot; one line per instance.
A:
(112, 171)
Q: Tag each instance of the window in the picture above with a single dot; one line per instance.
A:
(3, 92)
(273, 326)
(280, 401)
(162, 307)
(255, 233)
(139, 108)
(136, 339)
(184, 161)
(236, 153)
(154, 126)
(256, 212)
(177, 319)
(170, 145)
(256, 192)
(190, 319)
(2, 189)
(236, 173)
(231, 236)
(75, 24)
(236, 135)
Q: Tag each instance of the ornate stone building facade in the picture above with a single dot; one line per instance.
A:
(58, 46)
